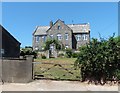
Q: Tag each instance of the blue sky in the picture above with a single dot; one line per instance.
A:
(20, 19)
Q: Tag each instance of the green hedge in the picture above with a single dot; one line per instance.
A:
(100, 60)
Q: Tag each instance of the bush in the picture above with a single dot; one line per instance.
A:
(43, 56)
(75, 55)
(100, 60)
(61, 55)
(28, 51)
(68, 53)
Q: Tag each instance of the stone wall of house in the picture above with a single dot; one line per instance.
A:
(17, 70)
(81, 42)
(62, 30)
(39, 45)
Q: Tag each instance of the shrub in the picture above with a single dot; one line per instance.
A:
(68, 53)
(43, 56)
(75, 55)
(23, 53)
(100, 60)
(61, 55)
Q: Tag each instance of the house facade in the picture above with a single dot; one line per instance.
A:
(70, 35)
(9, 46)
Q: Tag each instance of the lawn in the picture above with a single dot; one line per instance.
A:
(56, 68)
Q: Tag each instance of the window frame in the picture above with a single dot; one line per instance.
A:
(59, 36)
(66, 36)
(59, 27)
(78, 37)
(43, 38)
(37, 38)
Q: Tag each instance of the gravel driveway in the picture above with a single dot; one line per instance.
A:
(50, 85)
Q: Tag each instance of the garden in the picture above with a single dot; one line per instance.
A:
(98, 62)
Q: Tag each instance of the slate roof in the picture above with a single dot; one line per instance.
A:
(77, 28)
(80, 28)
(41, 30)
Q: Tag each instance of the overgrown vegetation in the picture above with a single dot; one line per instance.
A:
(68, 53)
(28, 51)
(100, 60)
(57, 44)
(43, 56)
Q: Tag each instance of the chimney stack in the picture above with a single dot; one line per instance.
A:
(63, 21)
(51, 23)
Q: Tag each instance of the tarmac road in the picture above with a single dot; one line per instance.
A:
(50, 85)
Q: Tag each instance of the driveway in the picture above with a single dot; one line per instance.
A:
(50, 85)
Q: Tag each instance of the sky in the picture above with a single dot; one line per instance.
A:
(21, 18)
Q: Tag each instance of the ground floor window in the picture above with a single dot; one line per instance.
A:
(2, 51)
(78, 37)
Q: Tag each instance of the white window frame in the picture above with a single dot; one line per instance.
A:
(84, 37)
(66, 36)
(43, 38)
(59, 36)
(2, 51)
(78, 37)
(37, 38)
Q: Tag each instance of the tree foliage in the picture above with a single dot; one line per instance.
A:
(28, 51)
(100, 60)
(58, 45)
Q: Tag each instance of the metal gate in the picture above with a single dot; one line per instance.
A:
(55, 71)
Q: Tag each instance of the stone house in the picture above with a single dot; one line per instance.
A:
(70, 35)
(9, 46)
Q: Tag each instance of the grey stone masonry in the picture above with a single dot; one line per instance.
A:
(70, 35)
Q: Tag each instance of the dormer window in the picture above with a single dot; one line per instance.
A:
(59, 27)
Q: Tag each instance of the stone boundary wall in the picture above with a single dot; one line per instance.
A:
(17, 70)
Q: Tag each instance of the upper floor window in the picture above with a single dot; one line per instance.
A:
(78, 37)
(84, 37)
(59, 27)
(37, 38)
(66, 36)
(59, 37)
(44, 38)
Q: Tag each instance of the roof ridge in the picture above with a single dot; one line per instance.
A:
(43, 26)
(78, 24)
